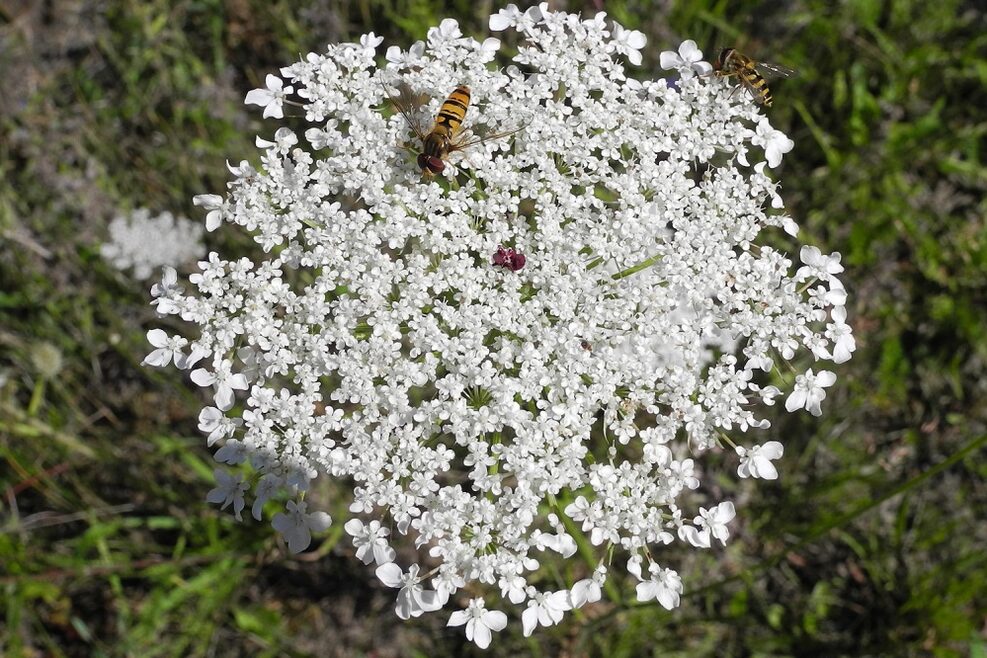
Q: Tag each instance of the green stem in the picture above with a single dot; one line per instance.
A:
(637, 268)
(37, 397)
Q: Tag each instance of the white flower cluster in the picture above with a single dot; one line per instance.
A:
(146, 243)
(525, 353)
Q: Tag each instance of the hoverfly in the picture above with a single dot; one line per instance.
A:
(751, 73)
(446, 134)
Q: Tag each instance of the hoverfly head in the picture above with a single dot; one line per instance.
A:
(722, 58)
(430, 165)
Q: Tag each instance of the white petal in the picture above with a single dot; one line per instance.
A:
(298, 538)
(458, 618)
(404, 606)
(481, 635)
(810, 255)
(208, 201)
(157, 337)
(693, 535)
(209, 418)
(273, 111)
(273, 82)
(690, 51)
(390, 574)
(214, 220)
(772, 450)
(490, 45)
(258, 97)
(529, 619)
(668, 598)
(318, 521)
(494, 619)
(354, 527)
(763, 468)
(502, 20)
(646, 591)
(158, 358)
(202, 377)
(796, 400)
(636, 39)
(429, 600)
(224, 397)
(670, 59)
(383, 553)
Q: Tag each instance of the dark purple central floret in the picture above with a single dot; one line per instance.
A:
(509, 258)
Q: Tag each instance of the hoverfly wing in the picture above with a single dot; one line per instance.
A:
(409, 103)
(774, 70)
(479, 136)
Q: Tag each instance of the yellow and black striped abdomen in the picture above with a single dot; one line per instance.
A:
(758, 86)
(453, 111)
(437, 142)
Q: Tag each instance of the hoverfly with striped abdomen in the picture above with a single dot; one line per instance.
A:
(446, 136)
(750, 72)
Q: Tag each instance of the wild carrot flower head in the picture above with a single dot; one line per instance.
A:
(529, 350)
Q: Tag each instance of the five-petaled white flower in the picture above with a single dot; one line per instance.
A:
(808, 392)
(629, 43)
(213, 203)
(272, 98)
(712, 523)
(413, 599)
(545, 609)
(479, 622)
(216, 424)
(298, 525)
(587, 590)
(224, 380)
(688, 60)
(505, 18)
(169, 349)
(371, 541)
(229, 489)
(818, 265)
(756, 461)
(840, 333)
(665, 585)
(775, 142)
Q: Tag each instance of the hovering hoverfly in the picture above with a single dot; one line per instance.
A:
(751, 73)
(446, 134)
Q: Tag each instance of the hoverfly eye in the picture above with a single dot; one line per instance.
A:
(434, 164)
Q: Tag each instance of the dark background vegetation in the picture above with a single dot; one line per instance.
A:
(871, 543)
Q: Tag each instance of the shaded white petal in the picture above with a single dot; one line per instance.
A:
(529, 619)
(390, 574)
(481, 635)
(670, 59)
(495, 620)
(646, 590)
(796, 400)
(318, 521)
(458, 618)
(259, 97)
